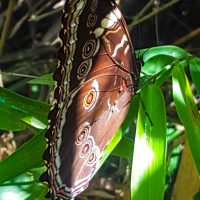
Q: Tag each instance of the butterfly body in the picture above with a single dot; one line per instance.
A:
(93, 90)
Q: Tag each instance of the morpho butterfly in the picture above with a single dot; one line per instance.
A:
(95, 79)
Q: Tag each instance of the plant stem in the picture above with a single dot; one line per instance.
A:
(6, 24)
(153, 13)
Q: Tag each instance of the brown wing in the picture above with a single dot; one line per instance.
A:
(92, 94)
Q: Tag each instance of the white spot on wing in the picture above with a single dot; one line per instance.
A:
(118, 13)
(115, 81)
(126, 49)
(98, 32)
(109, 106)
(95, 85)
(112, 17)
(123, 40)
(107, 23)
(113, 109)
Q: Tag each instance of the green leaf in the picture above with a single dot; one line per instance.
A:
(109, 148)
(156, 64)
(159, 62)
(23, 110)
(7, 122)
(173, 162)
(124, 148)
(195, 72)
(26, 157)
(164, 75)
(128, 124)
(43, 80)
(158, 78)
(24, 186)
(149, 165)
(197, 196)
(187, 111)
(167, 50)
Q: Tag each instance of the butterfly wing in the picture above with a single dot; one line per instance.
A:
(92, 94)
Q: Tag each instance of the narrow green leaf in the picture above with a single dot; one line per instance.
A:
(159, 62)
(24, 186)
(149, 165)
(195, 72)
(21, 109)
(112, 144)
(187, 111)
(26, 157)
(124, 148)
(156, 64)
(167, 50)
(128, 125)
(164, 75)
(43, 80)
(158, 78)
(7, 122)
(197, 196)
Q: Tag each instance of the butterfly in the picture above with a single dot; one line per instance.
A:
(96, 77)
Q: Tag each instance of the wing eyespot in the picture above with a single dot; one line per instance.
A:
(86, 148)
(90, 99)
(89, 49)
(94, 5)
(92, 19)
(84, 69)
(83, 135)
(92, 158)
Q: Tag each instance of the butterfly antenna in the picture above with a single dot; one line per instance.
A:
(145, 110)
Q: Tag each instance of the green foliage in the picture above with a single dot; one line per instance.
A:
(24, 186)
(43, 80)
(195, 72)
(143, 143)
(197, 196)
(187, 111)
(148, 167)
(29, 155)
(23, 110)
